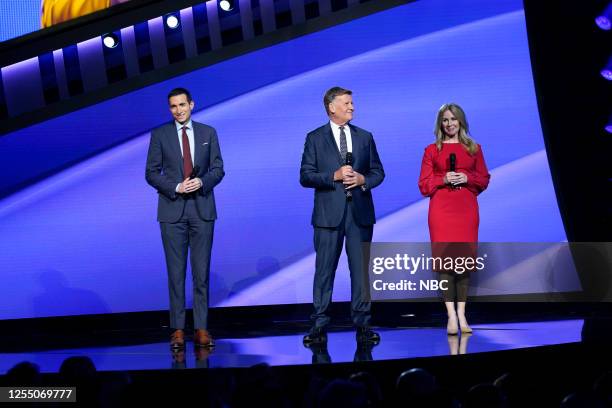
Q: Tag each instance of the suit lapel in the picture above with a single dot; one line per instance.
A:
(355, 139)
(175, 145)
(197, 144)
(329, 136)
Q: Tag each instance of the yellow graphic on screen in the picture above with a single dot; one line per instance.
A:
(57, 11)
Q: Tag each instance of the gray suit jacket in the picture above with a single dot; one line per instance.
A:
(165, 170)
(321, 158)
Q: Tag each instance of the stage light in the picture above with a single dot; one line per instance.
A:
(110, 40)
(603, 20)
(606, 72)
(608, 128)
(226, 5)
(172, 21)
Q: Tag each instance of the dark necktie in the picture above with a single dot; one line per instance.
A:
(187, 164)
(343, 152)
(343, 146)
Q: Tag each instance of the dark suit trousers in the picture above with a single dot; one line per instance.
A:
(194, 234)
(328, 246)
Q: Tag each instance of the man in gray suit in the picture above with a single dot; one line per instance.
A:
(341, 163)
(184, 164)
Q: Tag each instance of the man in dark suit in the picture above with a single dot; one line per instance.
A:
(184, 164)
(341, 163)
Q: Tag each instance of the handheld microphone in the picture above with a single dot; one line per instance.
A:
(348, 161)
(453, 165)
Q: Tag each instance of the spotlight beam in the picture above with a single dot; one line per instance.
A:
(172, 20)
(110, 40)
(604, 20)
(226, 5)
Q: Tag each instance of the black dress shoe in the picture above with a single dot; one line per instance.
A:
(316, 336)
(366, 335)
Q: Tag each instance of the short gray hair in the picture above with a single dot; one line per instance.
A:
(332, 93)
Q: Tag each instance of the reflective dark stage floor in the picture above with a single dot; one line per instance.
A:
(284, 350)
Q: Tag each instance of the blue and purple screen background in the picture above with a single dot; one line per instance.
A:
(86, 241)
(18, 17)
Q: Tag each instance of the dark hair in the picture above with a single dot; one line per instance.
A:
(332, 93)
(180, 91)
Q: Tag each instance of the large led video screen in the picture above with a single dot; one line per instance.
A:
(85, 240)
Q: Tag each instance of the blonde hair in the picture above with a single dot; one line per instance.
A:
(464, 135)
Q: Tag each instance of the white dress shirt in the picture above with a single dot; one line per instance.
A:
(336, 131)
(179, 131)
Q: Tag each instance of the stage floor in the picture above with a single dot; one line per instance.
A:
(397, 343)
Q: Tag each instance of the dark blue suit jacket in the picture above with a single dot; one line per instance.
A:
(321, 158)
(165, 170)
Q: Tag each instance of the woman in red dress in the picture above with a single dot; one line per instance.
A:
(453, 173)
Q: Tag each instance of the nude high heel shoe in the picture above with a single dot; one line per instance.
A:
(465, 327)
(452, 326)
